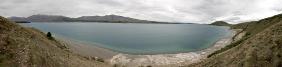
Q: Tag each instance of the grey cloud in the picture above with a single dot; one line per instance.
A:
(109, 2)
(197, 11)
(232, 19)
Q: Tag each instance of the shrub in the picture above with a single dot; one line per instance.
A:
(100, 60)
(49, 35)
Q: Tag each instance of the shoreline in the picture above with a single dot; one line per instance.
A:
(122, 59)
(170, 59)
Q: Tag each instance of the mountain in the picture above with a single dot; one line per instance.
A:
(110, 18)
(18, 18)
(28, 47)
(47, 18)
(57, 18)
(220, 23)
(42, 18)
(261, 46)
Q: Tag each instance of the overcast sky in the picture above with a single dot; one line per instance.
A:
(195, 11)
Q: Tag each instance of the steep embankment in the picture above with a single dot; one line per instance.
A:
(26, 47)
(260, 47)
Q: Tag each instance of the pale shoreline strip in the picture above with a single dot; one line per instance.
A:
(170, 59)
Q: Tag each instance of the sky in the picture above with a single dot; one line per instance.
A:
(187, 11)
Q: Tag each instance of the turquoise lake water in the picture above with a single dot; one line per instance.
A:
(139, 38)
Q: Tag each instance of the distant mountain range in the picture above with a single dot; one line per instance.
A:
(58, 18)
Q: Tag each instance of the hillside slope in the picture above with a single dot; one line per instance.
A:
(27, 47)
(260, 47)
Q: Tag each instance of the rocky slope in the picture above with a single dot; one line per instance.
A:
(27, 47)
(261, 46)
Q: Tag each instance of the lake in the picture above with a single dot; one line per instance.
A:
(139, 38)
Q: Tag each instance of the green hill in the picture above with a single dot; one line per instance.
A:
(220, 23)
(261, 46)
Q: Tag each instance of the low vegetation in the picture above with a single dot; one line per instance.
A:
(251, 29)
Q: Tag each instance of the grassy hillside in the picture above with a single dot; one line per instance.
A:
(260, 47)
(255, 27)
(251, 29)
(27, 47)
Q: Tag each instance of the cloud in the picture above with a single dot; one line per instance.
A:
(195, 11)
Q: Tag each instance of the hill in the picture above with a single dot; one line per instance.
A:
(28, 47)
(41, 18)
(111, 18)
(261, 46)
(220, 23)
